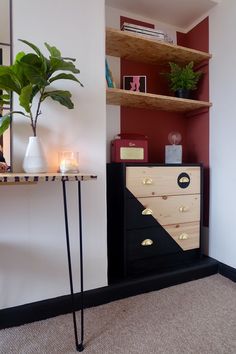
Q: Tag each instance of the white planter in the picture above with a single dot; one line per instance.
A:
(34, 160)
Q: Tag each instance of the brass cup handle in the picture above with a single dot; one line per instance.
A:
(147, 180)
(183, 209)
(183, 236)
(184, 180)
(147, 242)
(147, 211)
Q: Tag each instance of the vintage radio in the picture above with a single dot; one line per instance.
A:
(129, 148)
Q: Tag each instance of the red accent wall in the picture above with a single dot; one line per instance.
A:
(194, 127)
(198, 124)
(155, 124)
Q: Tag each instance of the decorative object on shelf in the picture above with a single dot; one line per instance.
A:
(173, 152)
(129, 148)
(134, 83)
(68, 162)
(34, 160)
(146, 31)
(183, 80)
(30, 78)
(109, 76)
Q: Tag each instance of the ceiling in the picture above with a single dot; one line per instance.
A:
(178, 13)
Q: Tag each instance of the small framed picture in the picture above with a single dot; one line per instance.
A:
(134, 83)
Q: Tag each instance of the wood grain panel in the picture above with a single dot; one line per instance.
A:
(135, 47)
(163, 180)
(172, 209)
(189, 231)
(151, 101)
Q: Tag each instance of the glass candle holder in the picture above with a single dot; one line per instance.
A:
(68, 162)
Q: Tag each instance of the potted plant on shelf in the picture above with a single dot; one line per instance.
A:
(31, 77)
(182, 80)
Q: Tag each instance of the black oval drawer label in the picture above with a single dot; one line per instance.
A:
(183, 180)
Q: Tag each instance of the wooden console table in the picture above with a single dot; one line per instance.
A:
(19, 178)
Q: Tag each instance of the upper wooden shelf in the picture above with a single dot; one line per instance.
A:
(132, 46)
(150, 101)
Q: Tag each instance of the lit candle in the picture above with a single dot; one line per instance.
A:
(68, 162)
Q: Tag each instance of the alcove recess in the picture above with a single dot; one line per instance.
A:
(156, 124)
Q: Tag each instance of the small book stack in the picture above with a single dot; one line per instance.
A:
(109, 77)
(145, 31)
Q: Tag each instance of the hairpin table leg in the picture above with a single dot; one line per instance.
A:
(79, 346)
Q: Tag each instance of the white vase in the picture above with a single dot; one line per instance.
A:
(34, 160)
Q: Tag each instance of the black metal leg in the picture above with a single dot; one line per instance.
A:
(79, 346)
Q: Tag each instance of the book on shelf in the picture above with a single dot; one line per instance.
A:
(109, 77)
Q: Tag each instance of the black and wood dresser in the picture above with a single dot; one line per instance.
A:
(154, 217)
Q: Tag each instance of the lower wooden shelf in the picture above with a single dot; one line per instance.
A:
(151, 101)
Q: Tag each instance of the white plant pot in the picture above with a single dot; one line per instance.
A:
(34, 160)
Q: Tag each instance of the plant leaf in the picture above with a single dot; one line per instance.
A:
(66, 58)
(33, 46)
(53, 51)
(37, 51)
(25, 97)
(60, 64)
(63, 97)
(8, 84)
(19, 56)
(66, 77)
(5, 121)
(34, 74)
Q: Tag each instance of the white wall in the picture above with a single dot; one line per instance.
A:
(4, 22)
(33, 264)
(222, 239)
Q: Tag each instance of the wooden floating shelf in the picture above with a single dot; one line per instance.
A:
(135, 47)
(150, 101)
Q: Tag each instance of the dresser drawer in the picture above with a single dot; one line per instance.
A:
(149, 242)
(157, 180)
(186, 235)
(171, 209)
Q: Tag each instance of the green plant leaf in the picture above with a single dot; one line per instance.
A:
(63, 97)
(183, 77)
(60, 64)
(66, 77)
(9, 84)
(32, 59)
(5, 121)
(66, 58)
(4, 103)
(19, 56)
(33, 46)
(34, 74)
(25, 97)
(37, 51)
(53, 51)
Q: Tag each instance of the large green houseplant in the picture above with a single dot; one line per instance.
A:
(31, 78)
(182, 80)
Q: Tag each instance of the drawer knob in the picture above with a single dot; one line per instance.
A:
(147, 211)
(184, 180)
(183, 236)
(147, 180)
(147, 242)
(183, 209)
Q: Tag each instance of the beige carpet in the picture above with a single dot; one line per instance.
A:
(191, 318)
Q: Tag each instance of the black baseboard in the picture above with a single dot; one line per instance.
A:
(41, 310)
(227, 271)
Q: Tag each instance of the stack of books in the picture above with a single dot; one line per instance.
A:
(145, 31)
